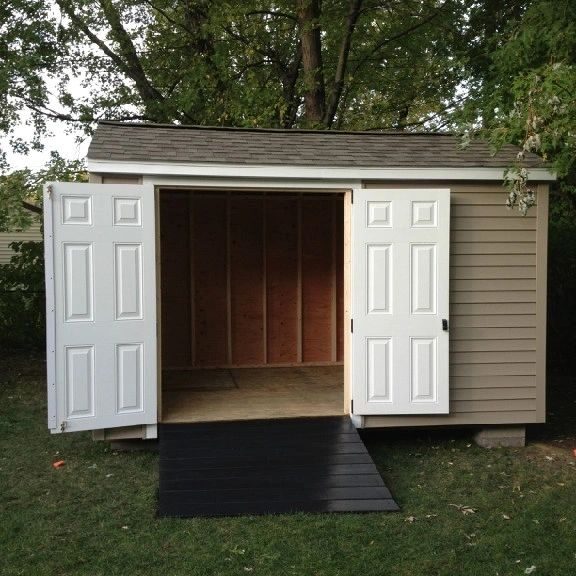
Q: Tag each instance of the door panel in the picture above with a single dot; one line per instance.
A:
(101, 305)
(400, 263)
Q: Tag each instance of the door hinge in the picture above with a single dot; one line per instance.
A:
(352, 197)
(352, 325)
(352, 406)
(63, 426)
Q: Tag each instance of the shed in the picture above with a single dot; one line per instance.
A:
(210, 274)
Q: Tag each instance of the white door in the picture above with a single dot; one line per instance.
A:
(400, 247)
(101, 305)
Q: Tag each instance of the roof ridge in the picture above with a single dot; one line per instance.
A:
(388, 132)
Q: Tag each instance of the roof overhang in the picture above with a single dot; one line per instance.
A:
(292, 172)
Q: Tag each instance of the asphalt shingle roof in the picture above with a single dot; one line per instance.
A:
(194, 144)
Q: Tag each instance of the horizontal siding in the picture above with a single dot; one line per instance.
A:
(6, 238)
(491, 357)
(492, 309)
(492, 381)
(481, 416)
(493, 312)
(493, 285)
(516, 222)
(488, 248)
(503, 393)
(492, 296)
(503, 369)
(477, 196)
(480, 333)
(485, 260)
(488, 211)
(491, 272)
(497, 321)
(501, 346)
(479, 235)
(494, 405)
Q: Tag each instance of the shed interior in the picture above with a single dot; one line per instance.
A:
(252, 299)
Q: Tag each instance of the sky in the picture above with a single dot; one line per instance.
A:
(62, 138)
(62, 141)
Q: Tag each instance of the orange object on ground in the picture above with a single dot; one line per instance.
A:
(58, 464)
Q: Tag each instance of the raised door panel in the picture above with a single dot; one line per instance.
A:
(379, 358)
(423, 278)
(129, 377)
(128, 281)
(78, 282)
(423, 373)
(379, 280)
(79, 381)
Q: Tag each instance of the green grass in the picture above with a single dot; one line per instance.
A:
(96, 515)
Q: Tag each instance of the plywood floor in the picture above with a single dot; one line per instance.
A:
(252, 393)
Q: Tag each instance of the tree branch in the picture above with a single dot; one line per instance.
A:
(237, 36)
(32, 207)
(55, 115)
(167, 17)
(149, 94)
(406, 32)
(127, 61)
(276, 14)
(290, 78)
(344, 52)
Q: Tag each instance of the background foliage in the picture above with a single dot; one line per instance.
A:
(22, 307)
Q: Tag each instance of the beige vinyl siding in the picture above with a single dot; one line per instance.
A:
(497, 309)
(6, 238)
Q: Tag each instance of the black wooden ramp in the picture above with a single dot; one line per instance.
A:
(267, 467)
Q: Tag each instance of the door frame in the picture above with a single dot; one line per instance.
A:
(268, 187)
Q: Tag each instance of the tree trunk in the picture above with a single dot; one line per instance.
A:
(308, 13)
(291, 98)
(152, 99)
(338, 85)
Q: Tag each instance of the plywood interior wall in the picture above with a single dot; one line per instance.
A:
(251, 279)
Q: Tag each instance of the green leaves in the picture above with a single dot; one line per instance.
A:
(21, 191)
(223, 62)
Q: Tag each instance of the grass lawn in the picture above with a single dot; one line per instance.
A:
(465, 510)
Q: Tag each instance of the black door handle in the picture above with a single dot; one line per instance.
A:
(445, 325)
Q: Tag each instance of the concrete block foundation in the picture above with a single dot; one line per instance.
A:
(501, 437)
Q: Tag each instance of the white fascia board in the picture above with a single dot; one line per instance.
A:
(268, 184)
(304, 172)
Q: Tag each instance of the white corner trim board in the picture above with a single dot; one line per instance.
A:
(305, 172)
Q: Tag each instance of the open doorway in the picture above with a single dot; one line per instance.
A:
(252, 299)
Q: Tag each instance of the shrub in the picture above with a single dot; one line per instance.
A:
(22, 293)
(562, 281)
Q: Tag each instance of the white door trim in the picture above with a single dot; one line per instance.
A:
(50, 305)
